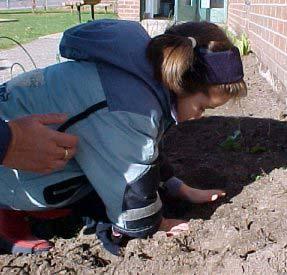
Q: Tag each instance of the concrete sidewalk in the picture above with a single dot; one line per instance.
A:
(43, 50)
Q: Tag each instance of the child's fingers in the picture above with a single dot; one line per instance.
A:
(178, 229)
(214, 197)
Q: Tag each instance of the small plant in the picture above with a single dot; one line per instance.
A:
(241, 42)
(257, 149)
(255, 177)
(232, 143)
(246, 48)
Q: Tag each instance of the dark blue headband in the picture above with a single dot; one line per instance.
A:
(217, 67)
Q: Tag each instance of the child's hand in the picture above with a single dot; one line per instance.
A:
(194, 195)
(177, 189)
(173, 227)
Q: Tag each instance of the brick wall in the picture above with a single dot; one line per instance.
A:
(129, 9)
(265, 23)
(114, 2)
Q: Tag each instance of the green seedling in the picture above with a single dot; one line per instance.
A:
(231, 143)
(255, 177)
(257, 149)
(242, 42)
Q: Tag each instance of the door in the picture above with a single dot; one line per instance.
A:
(201, 10)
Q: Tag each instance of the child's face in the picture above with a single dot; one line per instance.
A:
(193, 106)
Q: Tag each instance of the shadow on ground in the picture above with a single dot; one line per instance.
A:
(223, 152)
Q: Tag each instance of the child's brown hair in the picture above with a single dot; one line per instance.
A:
(173, 57)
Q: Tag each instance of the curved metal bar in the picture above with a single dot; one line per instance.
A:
(19, 44)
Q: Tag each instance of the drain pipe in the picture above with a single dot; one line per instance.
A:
(175, 11)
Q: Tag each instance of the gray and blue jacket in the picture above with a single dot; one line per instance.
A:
(118, 111)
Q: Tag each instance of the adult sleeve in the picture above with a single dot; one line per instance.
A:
(5, 138)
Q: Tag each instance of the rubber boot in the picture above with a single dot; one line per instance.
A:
(16, 235)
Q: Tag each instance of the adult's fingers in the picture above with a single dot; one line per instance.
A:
(52, 118)
(61, 154)
(61, 139)
(37, 148)
(71, 152)
(65, 140)
(55, 166)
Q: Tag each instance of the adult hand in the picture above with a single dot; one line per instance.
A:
(37, 148)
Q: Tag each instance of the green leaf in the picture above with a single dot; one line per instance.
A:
(258, 149)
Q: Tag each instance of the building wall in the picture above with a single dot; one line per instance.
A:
(129, 9)
(265, 23)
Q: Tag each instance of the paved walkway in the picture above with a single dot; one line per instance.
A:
(8, 20)
(155, 27)
(45, 50)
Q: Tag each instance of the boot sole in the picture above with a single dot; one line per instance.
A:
(9, 247)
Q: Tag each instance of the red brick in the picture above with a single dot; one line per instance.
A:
(282, 42)
(280, 73)
(268, 37)
(285, 29)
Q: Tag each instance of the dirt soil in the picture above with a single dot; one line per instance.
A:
(241, 148)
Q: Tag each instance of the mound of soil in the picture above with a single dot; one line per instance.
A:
(240, 148)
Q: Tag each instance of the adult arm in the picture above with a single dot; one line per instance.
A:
(5, 134)
(28, 144)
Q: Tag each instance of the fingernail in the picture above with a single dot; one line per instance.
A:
(214, 197)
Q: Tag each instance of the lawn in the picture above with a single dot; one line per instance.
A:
(33, 25)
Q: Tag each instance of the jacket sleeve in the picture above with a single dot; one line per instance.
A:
(119, 155)
(169, 182)
(5, 138)
(166, 169)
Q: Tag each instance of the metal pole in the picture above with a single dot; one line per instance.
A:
(176, 11)
(93, 11)
(8, 4)
(78, 5)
